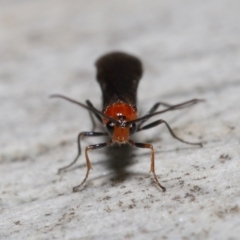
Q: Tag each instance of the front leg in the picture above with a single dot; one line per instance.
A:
(152, 168)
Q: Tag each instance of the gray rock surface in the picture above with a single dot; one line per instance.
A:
(190, 49)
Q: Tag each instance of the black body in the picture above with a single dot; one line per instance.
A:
(118, 75)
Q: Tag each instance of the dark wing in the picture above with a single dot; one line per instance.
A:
(118, 75)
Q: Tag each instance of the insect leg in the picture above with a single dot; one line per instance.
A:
(152, 168)
(91, 115)
(82, 134)
(89, 166)
(158, 122)
(152, 110)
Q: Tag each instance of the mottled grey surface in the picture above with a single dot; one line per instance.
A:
(190, 49)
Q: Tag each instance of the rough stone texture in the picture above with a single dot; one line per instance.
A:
(190, 49)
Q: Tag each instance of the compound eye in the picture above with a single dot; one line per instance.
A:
(132, 128)
(110, 127)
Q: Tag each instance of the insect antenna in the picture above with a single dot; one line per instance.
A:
(174, 107)
(90, 108)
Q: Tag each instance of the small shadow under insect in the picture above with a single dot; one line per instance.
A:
(118, 159)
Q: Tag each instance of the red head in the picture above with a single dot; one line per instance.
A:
(120, 130)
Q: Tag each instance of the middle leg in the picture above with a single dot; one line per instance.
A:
(82, 134)
(89, 166)
(160, 121)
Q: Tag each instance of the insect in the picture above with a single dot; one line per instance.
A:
(118, 74)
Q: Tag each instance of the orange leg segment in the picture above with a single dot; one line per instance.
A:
(152, 168)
